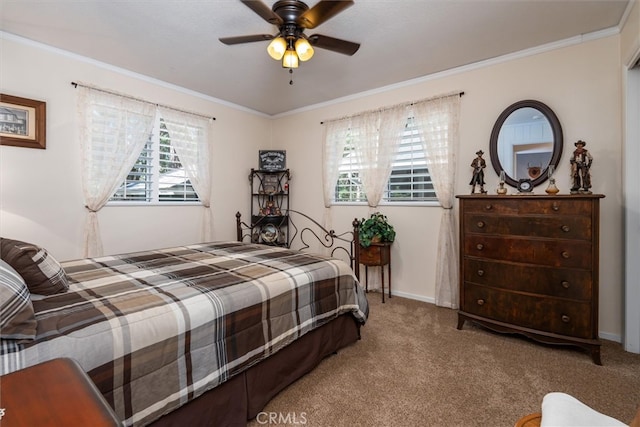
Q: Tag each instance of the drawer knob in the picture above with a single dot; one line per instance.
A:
(565, 255)
(488, 207)
(565, 318)
(480, 246)
(480, 272)
(480, 302)
(480, 224)
(555, 207)
(566, 228)
(565, 284)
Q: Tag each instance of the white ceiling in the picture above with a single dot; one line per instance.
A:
(176, 41)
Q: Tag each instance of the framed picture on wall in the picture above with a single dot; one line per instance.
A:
(23, 122)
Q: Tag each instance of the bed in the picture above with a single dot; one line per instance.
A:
(198, 334)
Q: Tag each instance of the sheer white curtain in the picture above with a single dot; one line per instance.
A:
(113, 131)
(375, 137)
(336, 133)
(190, 136)
(438, 121)
(381, 134)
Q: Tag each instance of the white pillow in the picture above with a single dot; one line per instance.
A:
(563, 410)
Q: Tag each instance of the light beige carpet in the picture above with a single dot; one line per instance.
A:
(414, 368)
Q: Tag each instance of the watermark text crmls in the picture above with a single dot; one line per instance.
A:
(282, 418)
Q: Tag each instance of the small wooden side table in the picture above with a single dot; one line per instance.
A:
(377, 255)
(56, 393)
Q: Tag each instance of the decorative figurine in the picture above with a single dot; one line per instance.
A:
(268, 209)
(502, 190)
(581, 161)
(478, 164)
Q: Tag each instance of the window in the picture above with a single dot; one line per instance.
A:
(349, 187)
(409, 180)
(169, 184)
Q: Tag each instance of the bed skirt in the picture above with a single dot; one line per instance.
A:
(243, 397)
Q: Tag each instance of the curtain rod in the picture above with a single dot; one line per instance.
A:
(75, 85)
(406, 104)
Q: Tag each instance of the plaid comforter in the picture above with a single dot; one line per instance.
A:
(156, 329)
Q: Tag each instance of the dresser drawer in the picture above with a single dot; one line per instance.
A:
(554, 253)
(546, 281)
(541, 313)
(515, 206)
(557, 227)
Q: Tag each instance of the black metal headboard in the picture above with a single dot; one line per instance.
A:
(303, 232)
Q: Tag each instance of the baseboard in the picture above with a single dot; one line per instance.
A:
(407, 295)
(610, 337)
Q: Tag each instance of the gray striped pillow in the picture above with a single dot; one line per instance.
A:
(39, 269)
(17, 320)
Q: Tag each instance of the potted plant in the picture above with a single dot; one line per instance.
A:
(376, 235)
(375, 229)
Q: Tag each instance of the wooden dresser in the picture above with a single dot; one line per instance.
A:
(529, 265)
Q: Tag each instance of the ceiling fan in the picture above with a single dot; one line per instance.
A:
(292, 17)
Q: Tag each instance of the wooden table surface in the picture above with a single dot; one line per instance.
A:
(54, 393)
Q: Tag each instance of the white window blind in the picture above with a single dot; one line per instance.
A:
(409, 180)
(138, 184)
(158, 175)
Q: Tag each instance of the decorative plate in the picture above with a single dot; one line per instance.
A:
(269, 233)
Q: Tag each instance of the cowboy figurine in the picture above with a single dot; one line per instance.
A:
(478, 164)
(581, 161)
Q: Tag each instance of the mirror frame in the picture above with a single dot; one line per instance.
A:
(557, 139)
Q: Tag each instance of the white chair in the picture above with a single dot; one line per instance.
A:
(563, 410)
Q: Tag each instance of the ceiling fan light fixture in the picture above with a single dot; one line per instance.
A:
(304, 49)
(277, 48)
(290, 59)
(292, 17)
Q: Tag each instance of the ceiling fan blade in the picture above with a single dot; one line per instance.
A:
(322, 12)
(264, 11)
(337, 45)
(245, 39)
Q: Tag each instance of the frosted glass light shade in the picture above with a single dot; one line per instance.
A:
(290, 59)
(277, 48)
(304, 49)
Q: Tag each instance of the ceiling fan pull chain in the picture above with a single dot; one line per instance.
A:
(291, 72)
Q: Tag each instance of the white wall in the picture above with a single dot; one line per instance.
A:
(580, 82)
(40, 191)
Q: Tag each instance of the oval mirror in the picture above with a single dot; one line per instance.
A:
(525, 141)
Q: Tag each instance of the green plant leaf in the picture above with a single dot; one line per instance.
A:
(376, 225)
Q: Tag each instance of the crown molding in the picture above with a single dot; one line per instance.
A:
(123, 71)
(583, 38)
